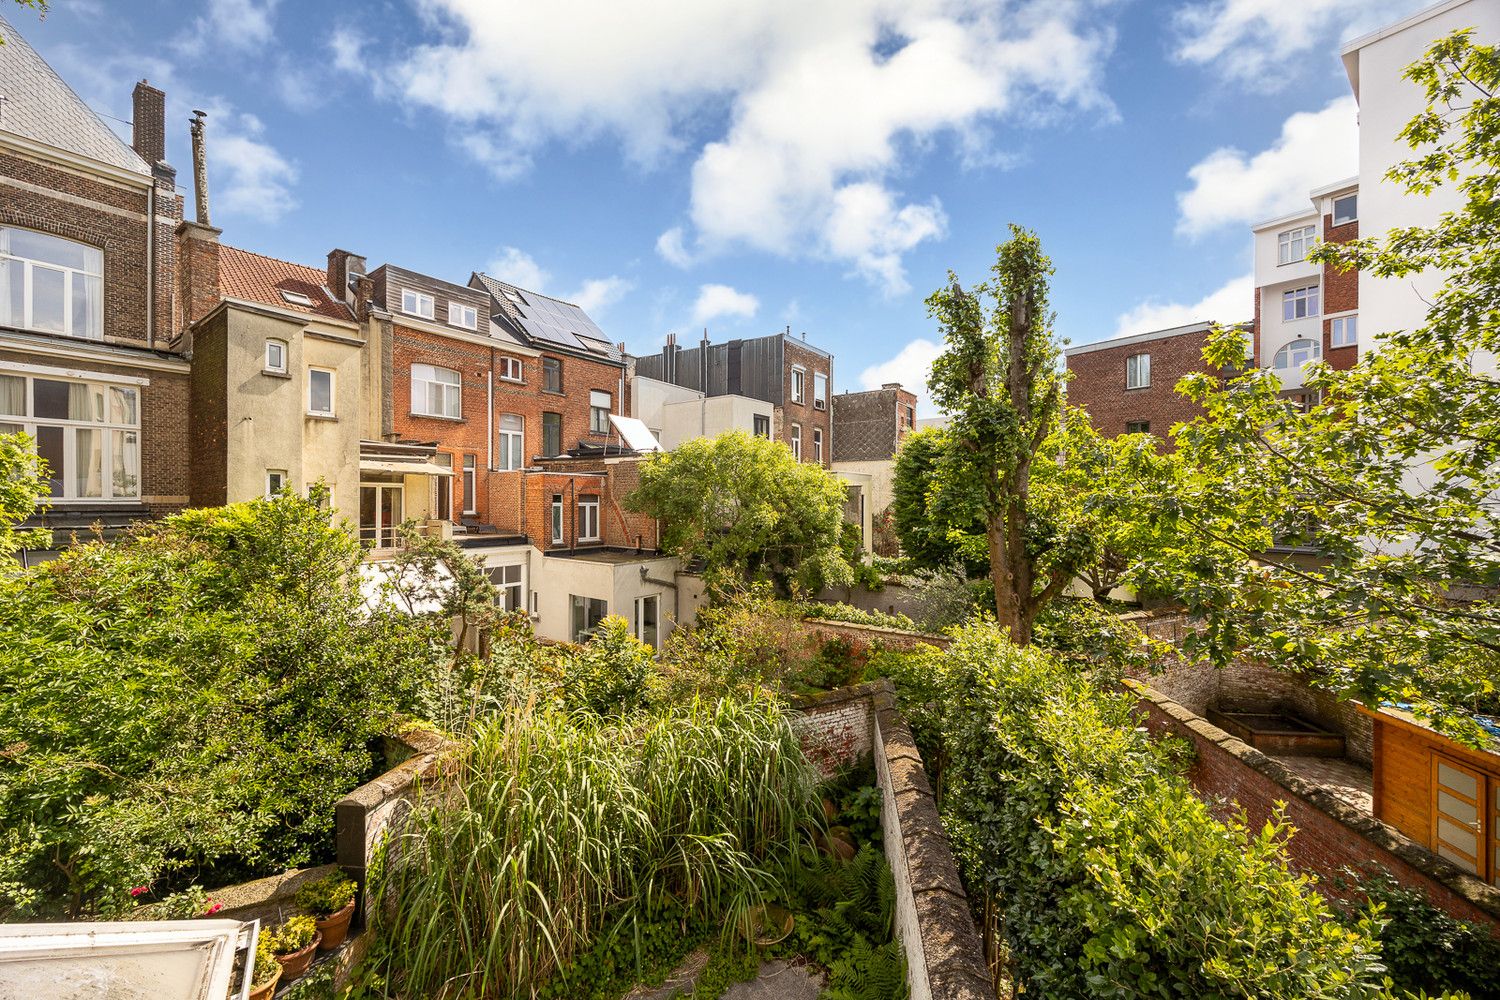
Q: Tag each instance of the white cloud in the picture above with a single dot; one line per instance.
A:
(1231, 187)
(1255, 41)
(596, 295)
(244, 25)
(1232, 302)
(517, 267)
(246, 175)
(810, 111)
(347, 46)
(911, 367)
(722, 300)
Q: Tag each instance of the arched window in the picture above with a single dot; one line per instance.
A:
(50, 284)
(1298, 353)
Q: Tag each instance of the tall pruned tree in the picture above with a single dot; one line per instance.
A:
(998, 380)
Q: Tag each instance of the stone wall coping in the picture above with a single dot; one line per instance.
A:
(876, 631)
(838, 696)
(1362, 824)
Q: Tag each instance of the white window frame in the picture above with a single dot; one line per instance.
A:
(471, 483)
(588, 605)
(296, 298)
(588, 517)
(1333, 209)
(1138, 371)
(332, 395)
(463, 315)
(799, 384)
(67, 476)
(1343, 331)
(281, 345)
(1292, 245)
(512, 369)
(818, 445)
(654, 640)
(1284, 359)
(558, 520)
(599, 414)
(755, 420)
(91, 274)
(552, 365)
(442, 486)
(425, 376)
(797, 442)
(820, 391)
(276, 481)
(419, 304)
(509, 581)
(1305, 298)
(512, 443)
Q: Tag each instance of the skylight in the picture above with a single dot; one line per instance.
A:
(296, 298)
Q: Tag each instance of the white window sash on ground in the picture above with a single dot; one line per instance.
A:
(470, 484)
(276, 356)
(648, 619)
(1293, 244)
(416, 303)
(1299, 303)
(320, 392)
(50, 284)
(436, 392)
(588, 518)
(600, 404)
(89, 433)
(462, 315)
(1343, 331)
(1138, 371)
(512, 442)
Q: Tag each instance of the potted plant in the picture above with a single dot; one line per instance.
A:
(293, 944)
(331, 900)
(265, 971)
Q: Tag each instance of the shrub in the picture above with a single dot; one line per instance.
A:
(187, 703)
(744, 644)
(858, 616)
(608, 674)
(1109, 877)
(293, 935)
(326, 895)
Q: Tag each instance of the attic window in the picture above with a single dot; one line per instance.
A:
(513, 297)
(296, 298)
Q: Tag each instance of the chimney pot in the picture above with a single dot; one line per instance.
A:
(148, 126)
(891, 385)
(343, 268)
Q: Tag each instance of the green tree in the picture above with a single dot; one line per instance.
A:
(928, 541)
(40, 6)
(1392, 479)
(21, 490)
(749, 510)
(999, 380)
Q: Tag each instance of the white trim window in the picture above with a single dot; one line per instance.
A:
(1299, 303)
(436, 392)
(509, 589)
(319, 392)
(1346, 209)
(818, 445)
(512, 442)
(1297, 353)
(88, 433)
(1138, 371)
(600, 405)
(275, 356)
(463, 315)
(275, 481)
(648, 619)
(557, 519)
(415, 303)
(799, 384)
(797, 442)
(471, 484)
(1343, 331)
(588, 517)
(820, 391)
(50, 284)
(588, 612)
(1292, 244)
(512, 370)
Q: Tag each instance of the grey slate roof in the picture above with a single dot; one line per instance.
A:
(39, 106)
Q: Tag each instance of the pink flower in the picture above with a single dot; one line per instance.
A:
(139, 890)
(213, 909)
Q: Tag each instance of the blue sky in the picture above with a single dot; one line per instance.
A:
(680, 164)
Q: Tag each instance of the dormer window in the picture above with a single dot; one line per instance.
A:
(462, 315)
(416, 303)
(50, 284)
(296, 298)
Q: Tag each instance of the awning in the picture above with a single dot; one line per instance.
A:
(404, 468)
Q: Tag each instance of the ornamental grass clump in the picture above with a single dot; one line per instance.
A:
(558, 833)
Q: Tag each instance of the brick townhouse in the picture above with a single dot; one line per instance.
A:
(792, 377)
(868, 428)
(87, 367)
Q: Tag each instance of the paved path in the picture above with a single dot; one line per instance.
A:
(779, 981)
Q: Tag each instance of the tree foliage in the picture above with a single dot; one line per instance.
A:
(748, 510)
(1391, 481)
(21, 491)
(927, 540)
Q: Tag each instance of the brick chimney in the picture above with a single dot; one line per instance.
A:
(344, 270)
(149, 123)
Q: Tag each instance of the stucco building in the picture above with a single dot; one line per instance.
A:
(868, 429)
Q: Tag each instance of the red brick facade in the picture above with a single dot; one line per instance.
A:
(569, 480)
(1340, 294)
(1098, 382)
(814, 423)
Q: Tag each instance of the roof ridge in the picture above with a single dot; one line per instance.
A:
(529, 291)
(279, 260)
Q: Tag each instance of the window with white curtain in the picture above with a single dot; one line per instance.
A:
(599, 407)
(50, 284)
(435, 392)
(512, 442)
(88, 433)
(1138, 371)
(462, 315)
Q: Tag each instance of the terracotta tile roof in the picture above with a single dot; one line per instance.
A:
(257, 278)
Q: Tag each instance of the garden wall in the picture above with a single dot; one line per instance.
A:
(824, 629)
(1331, 834)
(944, 953)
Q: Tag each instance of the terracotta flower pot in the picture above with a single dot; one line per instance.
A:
(335, 927)
(265, 990)
(296, 963)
